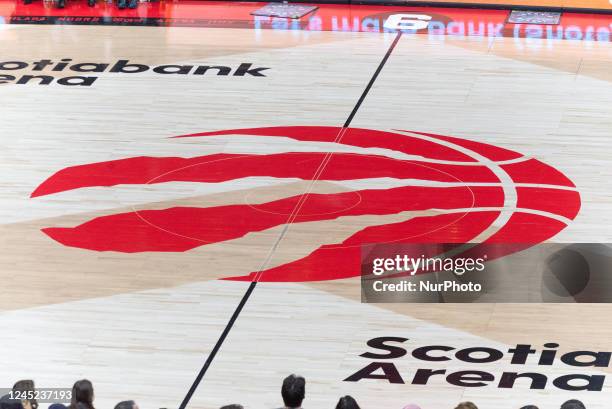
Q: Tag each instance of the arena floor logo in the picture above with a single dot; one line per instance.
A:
(390, 348)
(478, 192)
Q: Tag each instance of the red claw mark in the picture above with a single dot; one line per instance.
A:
(342, 260)
(488, 151)
(363, 138)
(465, 190)
(174, 229)
(224, 167)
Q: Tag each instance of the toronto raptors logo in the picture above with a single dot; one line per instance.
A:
(442, 189)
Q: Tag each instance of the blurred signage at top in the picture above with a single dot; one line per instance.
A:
(575, 4)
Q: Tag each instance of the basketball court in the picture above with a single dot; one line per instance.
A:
(184, 201)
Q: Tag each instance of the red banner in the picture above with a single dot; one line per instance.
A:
(328, 17)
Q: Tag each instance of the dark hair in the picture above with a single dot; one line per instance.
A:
(347, 402)
(573, 404)
(125, 404)
(466, 405)
(293, 391)
(26, 385)
(529, 407)
(82, 395)
(233, 406)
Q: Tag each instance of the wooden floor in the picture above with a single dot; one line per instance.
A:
(140, 324)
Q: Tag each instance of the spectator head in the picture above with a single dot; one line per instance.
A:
(293, 391)
(466, 405)
(573, 404)
(234, 406)
(347, 402)
(529, 407)
(26, 385)
(126, 404)
(82, 395)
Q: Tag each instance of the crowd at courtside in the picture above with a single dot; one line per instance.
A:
(293, 393)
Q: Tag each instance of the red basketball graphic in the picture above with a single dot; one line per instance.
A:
(477, 192)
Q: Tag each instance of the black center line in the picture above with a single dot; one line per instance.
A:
(253, 284)
(213, 353)
(373, 79)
